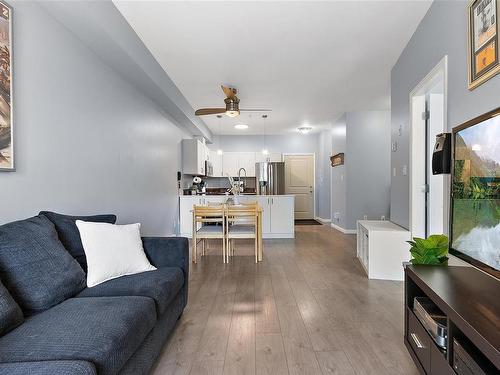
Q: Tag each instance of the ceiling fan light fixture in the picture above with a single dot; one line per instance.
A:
(241, 126)
(304, 129)
(265, 152)
(232, 113)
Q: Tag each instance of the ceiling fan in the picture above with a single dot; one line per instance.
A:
(232, 105)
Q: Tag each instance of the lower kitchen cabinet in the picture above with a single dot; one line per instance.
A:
(277, 213)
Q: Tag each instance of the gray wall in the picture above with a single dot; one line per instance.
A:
(338, 189)
(86, 140)
(367, 166)
(324, 174)
(361, 186)
(432, 40)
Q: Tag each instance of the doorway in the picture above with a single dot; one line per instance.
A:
(428, 193)
(299, 181)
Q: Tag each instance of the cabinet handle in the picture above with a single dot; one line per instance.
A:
(272, 200)
(417, 341)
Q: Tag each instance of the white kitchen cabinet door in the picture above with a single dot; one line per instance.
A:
(230, 164)
(266, 214)
(275, 156)
(271, 157)
(282, 218)
(185, 215)
(260, 157)
(216, 161)
(247, 160)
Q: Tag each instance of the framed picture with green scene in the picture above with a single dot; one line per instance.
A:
(6, 120)
(482, 41)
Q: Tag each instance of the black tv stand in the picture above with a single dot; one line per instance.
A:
(470, 300)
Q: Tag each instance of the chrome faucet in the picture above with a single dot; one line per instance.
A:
(242, 185)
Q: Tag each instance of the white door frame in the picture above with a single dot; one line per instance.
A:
(440, 69)
(314, 174)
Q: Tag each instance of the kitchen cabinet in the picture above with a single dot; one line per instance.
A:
(282, 214)
(194, 155)
(271, 157)
(216, 161)
(233, 161)
(382, 248)
(277, 212)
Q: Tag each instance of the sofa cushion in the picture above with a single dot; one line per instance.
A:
(105, 331)
(11, 314)
(69, 234)
(162, 285)
(48, 368)
(35, 267)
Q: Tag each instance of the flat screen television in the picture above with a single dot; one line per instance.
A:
(475, 192)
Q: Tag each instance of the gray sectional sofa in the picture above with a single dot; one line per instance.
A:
(51, 323)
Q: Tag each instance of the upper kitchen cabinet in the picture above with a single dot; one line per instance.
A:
(271, 157)
(216, 161)
(233, 161)
(194, 155)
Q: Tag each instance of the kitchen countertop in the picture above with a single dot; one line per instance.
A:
(245, 195)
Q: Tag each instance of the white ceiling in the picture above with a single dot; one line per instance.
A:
(308, 61)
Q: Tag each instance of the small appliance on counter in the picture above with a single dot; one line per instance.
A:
(198, 186)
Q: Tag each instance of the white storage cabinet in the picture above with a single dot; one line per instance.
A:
(382, 249)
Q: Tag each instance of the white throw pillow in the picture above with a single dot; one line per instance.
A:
(112, 251)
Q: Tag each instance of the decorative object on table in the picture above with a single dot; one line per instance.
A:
(482, 41)
(236, 189)
(337, 159)
(432, 250)
(6, 123)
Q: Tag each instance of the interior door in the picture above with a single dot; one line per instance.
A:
(299, 181)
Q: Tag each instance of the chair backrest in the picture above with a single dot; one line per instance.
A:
(208, 214)
(243, 214)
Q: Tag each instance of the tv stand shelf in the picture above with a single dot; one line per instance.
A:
(470, 300)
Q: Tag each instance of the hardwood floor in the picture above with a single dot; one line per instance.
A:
(308, 308)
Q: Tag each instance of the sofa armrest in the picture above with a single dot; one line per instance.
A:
(62, 367)
(168, 252)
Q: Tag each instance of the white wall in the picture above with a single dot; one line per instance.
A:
(86, 141)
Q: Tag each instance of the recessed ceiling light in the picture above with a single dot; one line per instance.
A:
(241, 126)
(304, 129)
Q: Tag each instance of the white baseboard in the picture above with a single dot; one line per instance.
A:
(323, 221)
(345, 231)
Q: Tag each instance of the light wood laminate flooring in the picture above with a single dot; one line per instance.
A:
(308, 308)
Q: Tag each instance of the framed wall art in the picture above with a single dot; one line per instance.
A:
(482, 41)
(6, 123)
(337, 159)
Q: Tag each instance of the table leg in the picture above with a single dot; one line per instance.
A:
(260, 252)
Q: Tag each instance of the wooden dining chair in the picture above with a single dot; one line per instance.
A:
(208, 223)
(241, 223)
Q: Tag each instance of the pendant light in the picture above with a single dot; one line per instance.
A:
(219, 148)
(265, 151)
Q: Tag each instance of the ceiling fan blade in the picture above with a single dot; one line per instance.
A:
(209, 111)
(229, 92)
(255, 110)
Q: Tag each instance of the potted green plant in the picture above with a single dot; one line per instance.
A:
(432, 250)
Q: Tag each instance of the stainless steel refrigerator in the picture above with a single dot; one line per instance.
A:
(270, 178)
